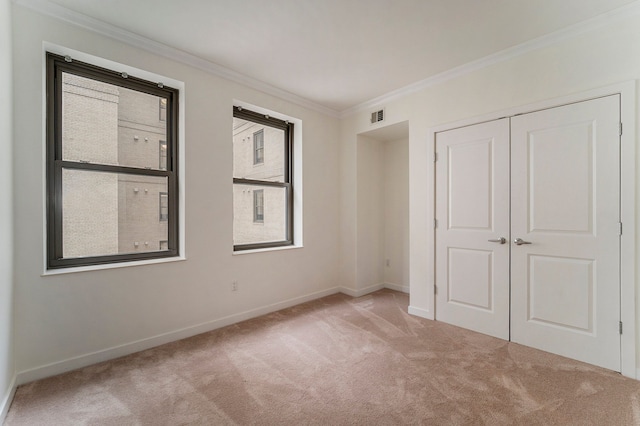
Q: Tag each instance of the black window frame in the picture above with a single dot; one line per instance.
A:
(287, 184)
(55, 66)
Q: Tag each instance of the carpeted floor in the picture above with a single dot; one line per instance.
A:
(334, 361)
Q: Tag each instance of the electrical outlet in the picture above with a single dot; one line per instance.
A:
(234, 286)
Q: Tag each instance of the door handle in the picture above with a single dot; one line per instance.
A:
(501, 240)
(520, 241)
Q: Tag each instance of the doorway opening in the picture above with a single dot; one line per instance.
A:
(382, 217)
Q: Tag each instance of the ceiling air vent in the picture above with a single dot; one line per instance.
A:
(377, 116)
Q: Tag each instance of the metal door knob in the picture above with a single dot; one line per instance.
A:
(520, 241)
(501, 240)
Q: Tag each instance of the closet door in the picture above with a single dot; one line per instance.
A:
(472, 233)
(565, 200)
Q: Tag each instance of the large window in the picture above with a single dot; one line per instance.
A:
(104, 184)
(262, 196)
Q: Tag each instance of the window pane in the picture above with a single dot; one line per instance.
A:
(248, 227)
(258, 151)
(111, 213)
(108, 124)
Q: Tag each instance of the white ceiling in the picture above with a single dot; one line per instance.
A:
(341, 53)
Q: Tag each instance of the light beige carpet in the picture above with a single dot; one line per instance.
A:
(337, 360)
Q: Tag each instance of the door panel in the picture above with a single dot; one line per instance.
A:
(553, 152)
(565, 202)
(472, 207)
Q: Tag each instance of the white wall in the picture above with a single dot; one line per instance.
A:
(100, 314)
(396, 213)
(602, 56)
(370, 207)
(6, 207)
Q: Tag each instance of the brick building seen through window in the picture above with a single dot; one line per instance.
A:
(115, 177)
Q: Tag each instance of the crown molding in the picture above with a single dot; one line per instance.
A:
(56, 11)
(61, 13)
(588, 25)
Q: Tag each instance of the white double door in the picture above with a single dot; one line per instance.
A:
(528, 229)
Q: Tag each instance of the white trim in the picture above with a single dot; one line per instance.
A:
(627, 91)
(72, 270)
(5, 404)
(265, 250)
(396, 287)
(592, 24)
(628, 218)
(161, 339)
(363, 291)
(419, 312)
(48, 8)
(81, 361)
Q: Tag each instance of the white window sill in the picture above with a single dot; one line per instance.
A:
(71, 270)
(292, 247)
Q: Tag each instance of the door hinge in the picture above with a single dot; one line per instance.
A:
(435, 157)
(620, 128)
(619, 228)
(620, 327)
(435, 223)
(435, 290)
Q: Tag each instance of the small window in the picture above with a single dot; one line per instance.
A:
(164, 206)
(163, 155)
(258, 205)
(101, 192)
(262, 195)
(258, 147)
(163, 109)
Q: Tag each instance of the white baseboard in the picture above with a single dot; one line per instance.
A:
(419, 312)
(362, 291)
(140, 345)
(6, 401)
(397, 287)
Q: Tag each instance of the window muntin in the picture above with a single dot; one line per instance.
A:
(103, 176)
(262, 196)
